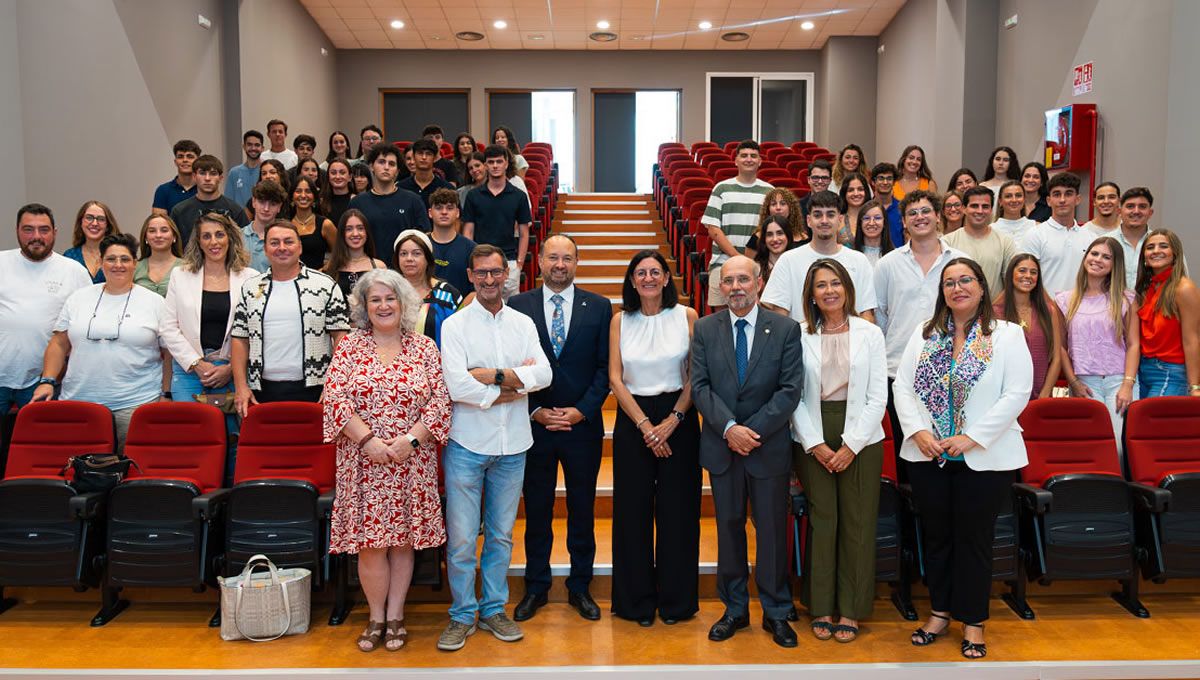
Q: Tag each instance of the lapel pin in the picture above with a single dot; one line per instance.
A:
(766, 331)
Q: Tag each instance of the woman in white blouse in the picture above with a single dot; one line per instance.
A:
(201, 297)
(656, 442)
(964, 379)
(839, 428)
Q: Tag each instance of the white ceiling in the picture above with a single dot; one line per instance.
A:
(565, 24)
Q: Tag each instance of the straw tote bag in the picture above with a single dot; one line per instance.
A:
(267, 605)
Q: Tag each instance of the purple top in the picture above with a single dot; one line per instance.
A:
(1091, 338)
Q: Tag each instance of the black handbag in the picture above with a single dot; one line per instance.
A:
(98, 471)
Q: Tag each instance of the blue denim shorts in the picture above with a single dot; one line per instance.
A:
(1158, 378)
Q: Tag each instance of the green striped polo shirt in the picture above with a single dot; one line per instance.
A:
(733, 207)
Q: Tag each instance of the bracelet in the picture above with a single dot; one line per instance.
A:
(1195, 387)
(363, 442)
(1129, 378)
(638, 424)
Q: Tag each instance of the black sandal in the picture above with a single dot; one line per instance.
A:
(973, 650)
(922, 637)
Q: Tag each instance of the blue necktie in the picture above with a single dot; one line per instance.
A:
(558, 329)
(741, 350)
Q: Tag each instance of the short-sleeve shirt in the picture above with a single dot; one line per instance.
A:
(992, 252)
(733, 208)
(170, 194)
(450, 262)
(239, 183)
(496, 215)
(1060, 249)
(187, 212)
(116, 358)
(410, 184)
(785, 288)
(390, 214)
(31, 296)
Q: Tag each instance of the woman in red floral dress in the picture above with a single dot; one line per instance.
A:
(387, 408)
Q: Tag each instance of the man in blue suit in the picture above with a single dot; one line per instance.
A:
(568, 428)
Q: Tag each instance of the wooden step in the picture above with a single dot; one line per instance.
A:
(604, 493)
(608, 286)
(610, 251)
(632, 239)
(617, 222)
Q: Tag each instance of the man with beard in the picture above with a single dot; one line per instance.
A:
(1107, 201)
(34, 283)
(243, 177)
(746, 443)
(568, 429)
(491, 361)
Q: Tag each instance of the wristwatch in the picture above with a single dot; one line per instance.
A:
(499, 376)
(48, 381)
(414, 442)
(678, 415)
(167, 395)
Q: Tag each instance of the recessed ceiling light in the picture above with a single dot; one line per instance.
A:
(735, 36)
(602, 25)
(808, 25)
(500, 23)
(397, 24)
(436, 37)
(705, 25)
(637, 37)
(602, 36)
(537, 36)
(469, 36)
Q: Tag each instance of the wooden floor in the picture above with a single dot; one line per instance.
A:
(56, 635)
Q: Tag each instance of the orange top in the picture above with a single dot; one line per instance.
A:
(922, 185)
(1162, 338)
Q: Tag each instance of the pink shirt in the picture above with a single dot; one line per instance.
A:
(1091, 338)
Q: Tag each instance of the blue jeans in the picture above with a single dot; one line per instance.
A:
(184, 385)
(1104, 389)
(18, 396)
(495, 483)
(1158, 378)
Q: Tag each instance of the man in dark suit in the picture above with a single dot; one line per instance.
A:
(747, 377)
(568, 428)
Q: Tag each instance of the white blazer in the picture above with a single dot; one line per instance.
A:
(990, 414)
(866, 395)
(180, 326)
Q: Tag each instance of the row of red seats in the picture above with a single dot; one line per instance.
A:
(1076, 513)
(683, 180)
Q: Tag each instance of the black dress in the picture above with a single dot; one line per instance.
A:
(313, 246)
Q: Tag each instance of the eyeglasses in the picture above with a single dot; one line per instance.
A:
(98, 219)
(648, 274)
(919, 211)
(490, 273)
(118, 259)
(820, 179)
(105, 329)
(961, 282)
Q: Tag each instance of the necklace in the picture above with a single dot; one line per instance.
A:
(838, 327)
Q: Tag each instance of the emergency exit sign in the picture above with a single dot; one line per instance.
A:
(1083, 79)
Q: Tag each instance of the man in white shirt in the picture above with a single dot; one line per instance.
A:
(491, 360)
(277, 134)
(35, 281)
(1107, 201)
(907, 279)
(1060, 242)
(987, 246)
(785, 288)
(1137, 207)
(731, 215)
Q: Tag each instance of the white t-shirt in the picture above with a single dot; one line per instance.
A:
(31, 296)
(785, 288)
(1060, 249)
(122, 366)
(287, 157)
(1014, 229)
(283, 334)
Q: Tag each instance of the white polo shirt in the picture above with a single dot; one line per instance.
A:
(1060, 249)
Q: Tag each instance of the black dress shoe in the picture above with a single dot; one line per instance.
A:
(780, 631)
(646, 621)
(793, 615)
(585, 605)
(528, 606)
(726, 626)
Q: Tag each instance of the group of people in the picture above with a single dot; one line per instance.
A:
(831, 313)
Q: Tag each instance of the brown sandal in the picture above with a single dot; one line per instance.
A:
(372, 636)
(400, 635)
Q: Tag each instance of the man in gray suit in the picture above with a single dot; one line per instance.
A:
(746, 381)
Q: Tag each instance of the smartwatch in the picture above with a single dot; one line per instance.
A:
(48, 381)
(678, 415)
(499, 376)
(414, 442)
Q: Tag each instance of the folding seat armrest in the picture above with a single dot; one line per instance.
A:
(1032, 498)
(799, 504)
(88, 505)
(210, 505)
(325, 503)
(1151, 498)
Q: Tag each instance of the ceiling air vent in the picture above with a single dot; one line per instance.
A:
(735, 36)
(602, 36)
(469, 36)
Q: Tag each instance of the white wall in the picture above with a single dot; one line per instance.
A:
(12, 148)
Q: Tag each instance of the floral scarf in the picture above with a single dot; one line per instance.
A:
(944, 384)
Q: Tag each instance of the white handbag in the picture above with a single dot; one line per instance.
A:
(265, 606)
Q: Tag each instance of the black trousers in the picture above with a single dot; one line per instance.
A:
(656, 496)
(580, 461)
(958, 508)
(897, 435)
(286, 390)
